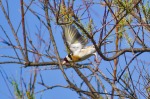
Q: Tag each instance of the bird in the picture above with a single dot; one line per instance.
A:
(77, 45)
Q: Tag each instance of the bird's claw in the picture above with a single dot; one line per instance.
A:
(96, 60)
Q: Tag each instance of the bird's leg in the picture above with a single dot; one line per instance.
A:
(96, 58)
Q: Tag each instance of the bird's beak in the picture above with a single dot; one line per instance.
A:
(64, 62)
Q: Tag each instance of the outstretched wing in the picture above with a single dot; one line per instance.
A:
(74, 39)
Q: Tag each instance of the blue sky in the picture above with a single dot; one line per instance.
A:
(50, 77)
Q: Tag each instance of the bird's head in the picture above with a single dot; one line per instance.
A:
(65, 60)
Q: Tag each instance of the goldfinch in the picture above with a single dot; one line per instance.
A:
(76, 43)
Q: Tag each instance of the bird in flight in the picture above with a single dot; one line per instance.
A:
(76, 43)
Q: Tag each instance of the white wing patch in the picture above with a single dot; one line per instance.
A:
(76, 47)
